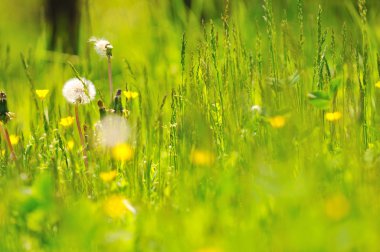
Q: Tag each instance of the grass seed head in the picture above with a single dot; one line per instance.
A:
(4, 112)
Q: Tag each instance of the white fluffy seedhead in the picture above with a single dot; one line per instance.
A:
(80, 91)
(102, 46)
(256, 108)
(113, 130)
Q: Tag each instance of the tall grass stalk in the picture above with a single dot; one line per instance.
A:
(363, 81)
(8, 141)
(268, 17)
(81, 136)
(110, 76)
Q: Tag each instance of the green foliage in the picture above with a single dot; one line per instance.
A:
(320, 99)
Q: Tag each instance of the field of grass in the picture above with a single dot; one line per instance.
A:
(255, 128)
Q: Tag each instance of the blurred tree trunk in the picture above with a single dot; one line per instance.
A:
(210, 9)
(63, 18)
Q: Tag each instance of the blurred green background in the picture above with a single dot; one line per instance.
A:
(276, 189)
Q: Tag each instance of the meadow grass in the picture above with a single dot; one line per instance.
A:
(253, 130)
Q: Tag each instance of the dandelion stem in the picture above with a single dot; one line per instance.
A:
(81, 136)
(110, 76)
(7, 139)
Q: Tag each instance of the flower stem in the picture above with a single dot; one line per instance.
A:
(81, 136)
(6, 137)
(110, 76)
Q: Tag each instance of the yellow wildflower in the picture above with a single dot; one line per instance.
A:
(209, 249)
(377, 84)
(66, 121)
(14, 139)
(122, 152)
(130, 94)
(108, 176)
(333, 116)
(70, 145)
(277, 121)
(200, 157)
(337, 207)
(42, 93)
(118, 207)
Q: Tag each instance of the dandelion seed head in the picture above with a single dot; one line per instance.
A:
(256, 108)
(76, 91)
(113, 130)
(101, 46)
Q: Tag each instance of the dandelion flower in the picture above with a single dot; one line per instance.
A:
(130, 94)
(122, 152)
(277, 121)
(66, 121)
(108, 176)
(118, 207)
(42, 93)
(102, 47)
(113, 130)
(14, 139)
(209, 249)
(337, 207)
(333, 116)
(203, 158)
(377, 84)
(70, 145)
(79, 91)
